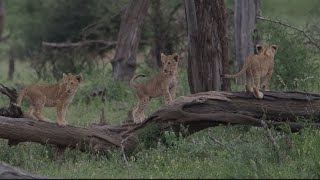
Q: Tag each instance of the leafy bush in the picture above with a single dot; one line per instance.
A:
(295, 66)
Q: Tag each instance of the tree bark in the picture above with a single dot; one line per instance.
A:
(194, 112)
(8, 172)
(2, 17)
(124, 62)
(210, 43)
(245, 21)
(11, 68)
(157, 24)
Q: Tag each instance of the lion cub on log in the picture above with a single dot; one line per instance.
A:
(57, 95)
(163, 84)
(259, 68)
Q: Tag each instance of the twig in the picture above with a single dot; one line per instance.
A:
(270, 137)
(80, 43)
(124, 154)
(216, 141)
(286, 25)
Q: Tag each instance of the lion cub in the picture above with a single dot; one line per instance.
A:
(57, 95)
(163, 84)
(259, 68)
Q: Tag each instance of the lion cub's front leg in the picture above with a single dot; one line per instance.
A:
(167, 96)
(256, 87)
(173, 90)
(61, 113)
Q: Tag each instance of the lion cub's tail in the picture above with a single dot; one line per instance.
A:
(20, 97)
(244, 68)
(134, 84)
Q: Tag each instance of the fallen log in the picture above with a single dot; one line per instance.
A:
(194, 112)
(9, 172)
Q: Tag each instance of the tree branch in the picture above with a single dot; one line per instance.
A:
(287, 25)
(80, 43)
(9, 172)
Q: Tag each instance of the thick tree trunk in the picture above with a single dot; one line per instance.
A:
(124, 62)
(245, 21)
(196, 112)
(211, 52)
(11, 64)
(8, 172)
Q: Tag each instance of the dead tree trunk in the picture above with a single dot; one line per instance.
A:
(211, 51)
(124, 62)
(8, 172)
(195, 112)
(2, 17)
(245, 13)
(11, 68)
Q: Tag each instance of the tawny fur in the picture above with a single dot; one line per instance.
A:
(47, 95)
(258, 68)
(163, 84)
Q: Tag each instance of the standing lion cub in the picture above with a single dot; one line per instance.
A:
(163, 84)
(57, 95)
(258, 68)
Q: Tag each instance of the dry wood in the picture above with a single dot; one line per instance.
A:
(77, 44)
(9, 172)
(194, 112)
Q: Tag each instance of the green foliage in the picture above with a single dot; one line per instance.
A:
(295, 66)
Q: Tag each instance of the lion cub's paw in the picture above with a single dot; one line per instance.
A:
(63, 123)
(259, 96)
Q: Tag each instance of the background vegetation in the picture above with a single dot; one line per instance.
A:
(245, 151)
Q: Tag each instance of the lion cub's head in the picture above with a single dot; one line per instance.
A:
(268, 50)
(72, 82)
(169, 63)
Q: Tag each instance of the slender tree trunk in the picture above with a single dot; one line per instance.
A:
(192, 27)
(157, 20)
(208, 39)
(245, 21)
(2, 17)
(11, 64)
(124, 62)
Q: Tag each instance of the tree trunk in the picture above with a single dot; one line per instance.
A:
(124, 62)
(2, 17)
(210, 43)
(196, 112)
(157, 24)
(8, 172)
(11, 64)
(245, 21)
(192, 27)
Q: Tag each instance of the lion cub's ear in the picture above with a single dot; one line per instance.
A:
(64, 77)
(176, 57)
(79, 77)
(163, 57)
(275, 47)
